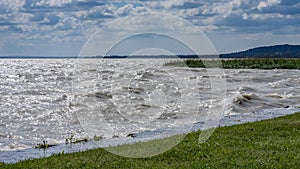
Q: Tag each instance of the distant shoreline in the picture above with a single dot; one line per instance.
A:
(116, 57)
(275, 51)
(262, 63)
(204, 57)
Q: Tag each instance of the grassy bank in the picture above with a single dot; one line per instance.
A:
(267, 144)
(271, 63)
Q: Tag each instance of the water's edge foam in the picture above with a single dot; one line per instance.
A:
(233, 119)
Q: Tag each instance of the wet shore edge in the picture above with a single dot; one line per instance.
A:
(8, 157)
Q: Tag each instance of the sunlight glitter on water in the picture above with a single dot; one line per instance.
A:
(38, 100)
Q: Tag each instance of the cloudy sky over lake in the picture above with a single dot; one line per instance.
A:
(62, 27)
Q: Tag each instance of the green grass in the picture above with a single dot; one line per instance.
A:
(264, 63)
(272, 143)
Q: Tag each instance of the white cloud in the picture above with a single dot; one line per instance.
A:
(41, 3)
(11, 6)
(125, 10)
(245, 16)
(23, 18)
(208, 27)
(69, 23)
(170, 3)
(97, 12)
(81, 14)
(165, 4)
(221, 8)
(4, 28)
(187, 12)
(263, 17)
(58, 3)
(268, 3)
(130, 9)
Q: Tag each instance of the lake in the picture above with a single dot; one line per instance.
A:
(53, 99)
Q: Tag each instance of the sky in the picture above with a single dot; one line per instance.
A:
(86, 27)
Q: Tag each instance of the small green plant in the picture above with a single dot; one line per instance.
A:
(44, 145)
(80, 140)
(98, 138)
(72, 140)
(58, 154)
(62, 152)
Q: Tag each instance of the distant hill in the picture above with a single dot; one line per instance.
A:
(277, 51)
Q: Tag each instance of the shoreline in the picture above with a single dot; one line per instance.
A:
(9, 157)
(264, 144)
(238, 63)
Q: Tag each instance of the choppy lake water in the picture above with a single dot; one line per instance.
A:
(52, 99)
